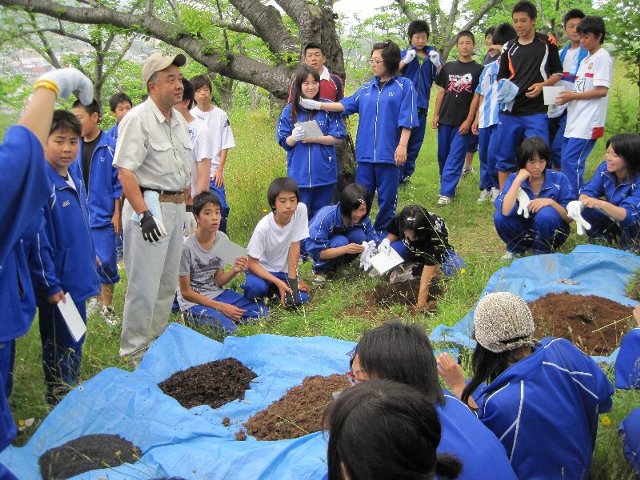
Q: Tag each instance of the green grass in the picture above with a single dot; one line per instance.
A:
(338, 309)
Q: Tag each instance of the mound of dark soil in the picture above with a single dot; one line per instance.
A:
(299, 412)
(91, 452)
(404, 293)
(586, 320)
(213, 383)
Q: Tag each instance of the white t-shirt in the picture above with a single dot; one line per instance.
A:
(586, 118)
(270, 242)
(202, 147)
(220, 130)
(569, 67)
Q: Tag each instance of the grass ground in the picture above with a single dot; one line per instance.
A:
(338, 308)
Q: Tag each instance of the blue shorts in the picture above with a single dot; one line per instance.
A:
(104, 241)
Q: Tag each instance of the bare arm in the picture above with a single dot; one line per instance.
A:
(509, 200)
(38, 114)
(612, 211)
(324, 140)
(222, 277)
(565, 97)
(203, 169)
(436, 110)
(423, 292)
(131, 189)
(190, 295)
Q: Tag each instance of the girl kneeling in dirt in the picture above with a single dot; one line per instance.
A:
(421, 236)
(541, 400)
(402, 353)
(202, 274)
(336, 232)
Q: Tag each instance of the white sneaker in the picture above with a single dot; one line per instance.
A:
(507, 257)
(93, 306)
(495, 193)
(444, 200)
(467, 171)
(318, 278)
(109, 316)
(484, 195)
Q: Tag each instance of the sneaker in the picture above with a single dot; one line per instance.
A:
(318, 278)
(507, 257)
(467, 171)
(444, 200)
(495, 193)
(93, 306)
(109, 316)
(484, 195)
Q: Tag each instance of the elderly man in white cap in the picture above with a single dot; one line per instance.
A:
(153, 156)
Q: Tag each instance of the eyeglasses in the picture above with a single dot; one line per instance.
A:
(375, 62)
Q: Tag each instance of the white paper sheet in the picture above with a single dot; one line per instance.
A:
(383, 262)
(550, 94)
(72, 318)
(311, 128)
(152, 199)
(230, 251)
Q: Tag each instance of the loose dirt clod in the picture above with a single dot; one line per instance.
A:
(299, 412)
(90, 452)
(586, 320)
(403, 293)
(241, 435)
(213, 383)
(226, 421)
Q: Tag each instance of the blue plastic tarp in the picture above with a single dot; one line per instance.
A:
(193, 444)
(587, 270)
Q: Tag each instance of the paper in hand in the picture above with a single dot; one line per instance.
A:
(230, 251)
(152, 199)
(383, 262)
(549, 94)
(75, 324)
(311, 128)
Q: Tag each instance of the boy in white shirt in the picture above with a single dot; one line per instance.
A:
(274, 248)
(587, 104)
(221, 138)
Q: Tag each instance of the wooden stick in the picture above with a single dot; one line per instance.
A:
(612, 323)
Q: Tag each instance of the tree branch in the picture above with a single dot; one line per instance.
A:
(49, 54)
(405, 9)
(234, 26)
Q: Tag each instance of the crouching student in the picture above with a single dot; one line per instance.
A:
(336, 232)
(627, 369)
(630, 436)
(63, 258)
(202, 275)
(421, 236)
(274, 248)
(610, 202)
(541, 399)
(402, 353)
(531, 210)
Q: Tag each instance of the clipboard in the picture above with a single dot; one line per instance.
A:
(311, 128)
(75, 324)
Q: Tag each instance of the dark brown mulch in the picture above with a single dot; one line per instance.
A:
(299, 412)
(90, 452)
(213, 383)
(403, 293)
(580, 318)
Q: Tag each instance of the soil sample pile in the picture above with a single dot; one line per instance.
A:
(299, 412)
(91, 452)
(213, 383)
(586, 320)
(403, 293)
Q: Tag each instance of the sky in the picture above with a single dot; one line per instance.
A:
(364, 8)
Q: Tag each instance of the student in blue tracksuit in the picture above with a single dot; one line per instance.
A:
(610, 202)
(421, 64)
(103, 190)
(387, 106)
(541, 400)
(400, 352)
(23, 193)
(628, 360)
(63, 260)
(120, 103)
(630, 433)
(311, 162)
(336, 232)
(531, 210)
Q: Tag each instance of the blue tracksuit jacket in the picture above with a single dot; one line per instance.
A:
(555, 185)
(104, 187)
(113, 133)
(422, 74)
(628, 361)
(66, 258)
(383, 113)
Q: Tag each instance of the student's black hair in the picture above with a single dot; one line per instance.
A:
(200, 81)
(571, 14)
(486, 366)
(413, 217)
(382, 430)
(93, 107)
(503, 33)
(592, 24)
(188, 92)
(312, 45)
(466, 33)
(390, 55)
(200, 200)
(351, 198)
(527, 7)
(627, 146)
(299, 76)
(279, 185)
(118, 98)
(489, 31)
(402, 353)
(64, 120)
(418, 26)
(529, 148)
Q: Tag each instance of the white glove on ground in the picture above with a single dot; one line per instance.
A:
(434, 57)
(70, 80)
(574, 211)
(409, 56)
(385, 246)
(309, 104)
(298, 134)
(523, 201)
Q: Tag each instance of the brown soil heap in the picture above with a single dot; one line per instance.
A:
(299, 412)
(212, 383)
(581, 318)
(91, 452)
(403, 293)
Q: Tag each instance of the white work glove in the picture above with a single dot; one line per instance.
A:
(367, 253)
(190, 224)
(298, 134)
(574, 211)
(385, 246)
(70, 80)
(434, 57)
(523, 201)
(409, 56)
(309, 104)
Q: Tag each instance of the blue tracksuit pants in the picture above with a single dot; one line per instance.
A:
(541, 232)
(383, 177)
(355, 235)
